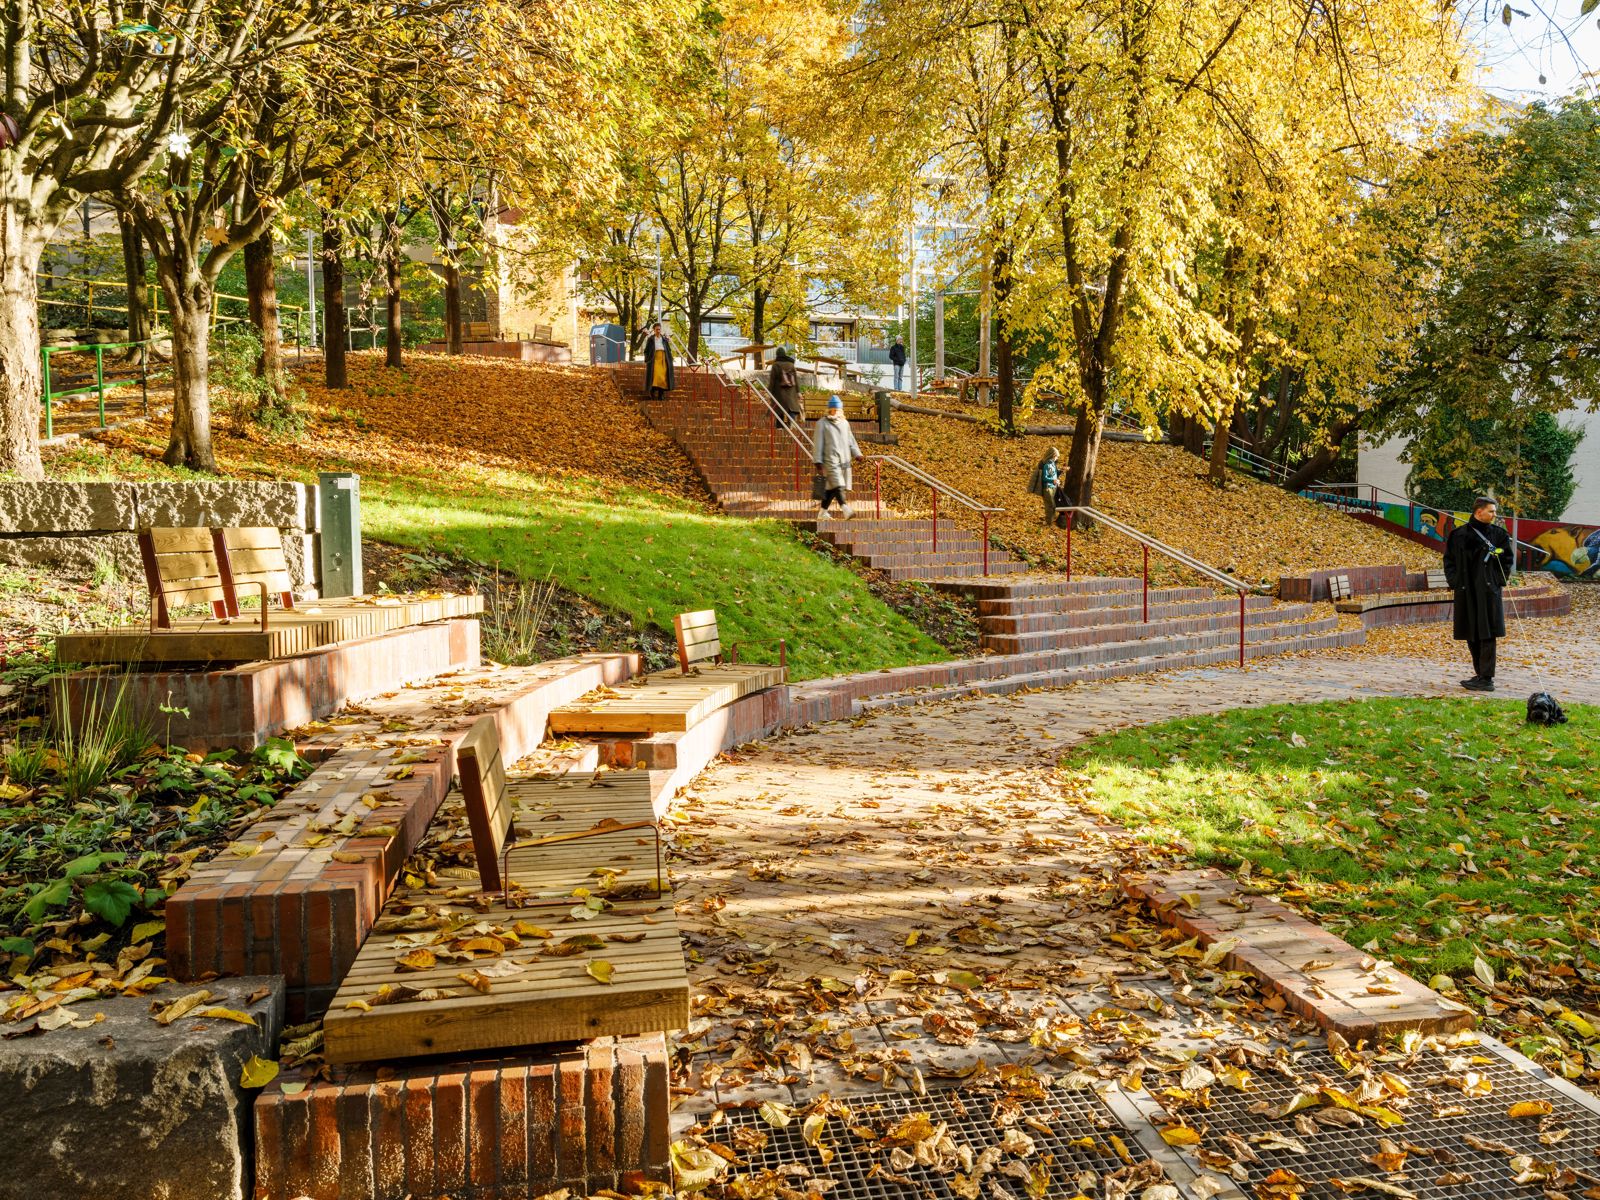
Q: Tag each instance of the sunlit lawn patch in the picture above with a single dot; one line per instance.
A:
(1433, 829)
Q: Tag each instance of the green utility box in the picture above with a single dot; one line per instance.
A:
(339, 502)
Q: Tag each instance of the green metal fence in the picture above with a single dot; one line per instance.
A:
(79, 384)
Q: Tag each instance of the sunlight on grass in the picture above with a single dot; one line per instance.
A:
(1433, 829)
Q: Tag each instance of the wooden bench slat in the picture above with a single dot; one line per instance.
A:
(483, 791)
(176, 539)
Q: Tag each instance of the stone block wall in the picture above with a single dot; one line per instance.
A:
(77, 527)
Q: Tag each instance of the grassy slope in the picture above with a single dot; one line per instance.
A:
(547, 472)
(1260, 531)
(1441, 829)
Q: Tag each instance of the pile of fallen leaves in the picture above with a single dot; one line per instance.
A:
(441, 411)
(1257, 531)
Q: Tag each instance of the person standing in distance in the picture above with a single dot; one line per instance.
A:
(657, 363)
(897, 355)
(1478, 562)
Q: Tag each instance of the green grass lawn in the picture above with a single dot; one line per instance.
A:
(651, 556)
(1436, 830)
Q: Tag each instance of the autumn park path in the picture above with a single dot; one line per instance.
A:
(880, 909)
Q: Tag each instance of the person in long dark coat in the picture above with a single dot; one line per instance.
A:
(657, 363)
(1478, 562)
(784, 383)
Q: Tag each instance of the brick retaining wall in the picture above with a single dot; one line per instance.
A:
(1364, 581)
(588, 1117)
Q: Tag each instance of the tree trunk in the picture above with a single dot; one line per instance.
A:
(694, 311)
(20, 374)
(1008, 380)
(1083, 458)
(452, 310)
(394, 317)
(758, 315)
(1219, 451)
(261, 287)
(190, 298)
(334, 370)
(133, 279)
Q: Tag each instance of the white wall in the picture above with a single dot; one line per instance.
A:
(1380, 466)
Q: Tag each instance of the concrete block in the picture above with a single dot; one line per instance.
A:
(127, 1109)
(78, 555)
(65, 507)
(225, 502)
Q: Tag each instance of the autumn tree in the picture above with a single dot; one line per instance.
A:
(92, 94)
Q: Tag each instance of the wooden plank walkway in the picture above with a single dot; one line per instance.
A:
(205, 639)
(663, 703)
(456, 977)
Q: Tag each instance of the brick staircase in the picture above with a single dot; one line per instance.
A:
(1036, 627)
(754, 470)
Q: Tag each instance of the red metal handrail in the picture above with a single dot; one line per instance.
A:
(1215, 575)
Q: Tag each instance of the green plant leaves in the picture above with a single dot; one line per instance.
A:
(89, 863)
(111, 899)
(51, 895)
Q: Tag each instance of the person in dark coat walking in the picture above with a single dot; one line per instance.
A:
(784, 384)
(897, 355)
(658, 363)
(1478, 562)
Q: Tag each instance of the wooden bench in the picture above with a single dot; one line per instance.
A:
(856, 407)
(520, 970)
(699, 640)
(253, 557)
(182, 568)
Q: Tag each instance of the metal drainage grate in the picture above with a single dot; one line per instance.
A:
(1344, 1152)
(1071, 1133)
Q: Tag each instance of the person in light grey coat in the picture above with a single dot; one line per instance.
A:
(833, 449)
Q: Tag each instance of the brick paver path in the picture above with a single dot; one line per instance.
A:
(889, 901)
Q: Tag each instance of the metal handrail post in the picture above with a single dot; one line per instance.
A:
(1146, 547)
(935, 493)
(100, 380)
(1241, 629)
(877, 486)
(1069, 547)
(986, 545)
(49, 409)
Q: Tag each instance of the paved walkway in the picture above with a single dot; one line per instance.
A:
(907, 898)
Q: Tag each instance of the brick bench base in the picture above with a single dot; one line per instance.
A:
(586, 1117)
(240, 707)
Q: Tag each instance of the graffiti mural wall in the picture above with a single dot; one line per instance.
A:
(1559, 547)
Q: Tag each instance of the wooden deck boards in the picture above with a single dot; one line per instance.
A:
(663, 703)
(543, 995)
(206, 640)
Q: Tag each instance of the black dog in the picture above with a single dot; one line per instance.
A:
(1543, 710)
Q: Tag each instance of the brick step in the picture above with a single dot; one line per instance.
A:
(1125, 593)
(939, 575)
(1128, 606)
(1158, 659)
(1022, 643)
(862, 539)
(1041, 585)
(926, 557)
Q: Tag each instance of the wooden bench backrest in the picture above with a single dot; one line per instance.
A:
(856, 408)
(1436, 579)
(698, 639)
(488, 804)
(251, 556)
(1339, 587)
(181, 567)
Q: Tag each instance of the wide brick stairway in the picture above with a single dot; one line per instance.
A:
(1035, 627)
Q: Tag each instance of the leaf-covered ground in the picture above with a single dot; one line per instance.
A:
(1257, 531)
(1447, 835)
(548, 473)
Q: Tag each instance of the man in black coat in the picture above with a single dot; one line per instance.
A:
(784, 384)
(897, 355)
(1478, 562)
